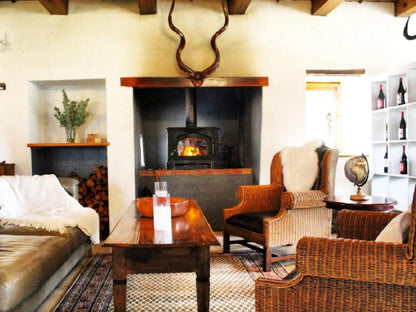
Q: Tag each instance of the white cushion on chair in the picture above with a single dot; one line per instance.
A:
(397, 229)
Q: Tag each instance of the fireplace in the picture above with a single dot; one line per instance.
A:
(222, 117)
(227, 135)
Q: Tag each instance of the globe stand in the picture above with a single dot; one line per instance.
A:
(359, 196)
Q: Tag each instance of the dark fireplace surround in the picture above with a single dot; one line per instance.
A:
(221, 118)
(233, 106)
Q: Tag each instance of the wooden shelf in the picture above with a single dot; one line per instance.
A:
(34, 145)
(184, 82)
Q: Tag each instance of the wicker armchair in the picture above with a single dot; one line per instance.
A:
(351, 273)
(272, 217)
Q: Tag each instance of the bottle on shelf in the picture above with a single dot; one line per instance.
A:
(403, 162)
(381, 99)
(402, 128)
(386, 134)
(386, 160)
(401, 93)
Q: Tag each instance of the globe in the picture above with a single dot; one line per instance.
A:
(358, 170)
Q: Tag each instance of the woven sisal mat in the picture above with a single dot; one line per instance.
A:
(232, 286)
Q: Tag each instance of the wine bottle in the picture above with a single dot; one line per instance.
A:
(400, 93)
(387, 131)
(381, 99)
(403, 162)
(386, 160)
(402, 128)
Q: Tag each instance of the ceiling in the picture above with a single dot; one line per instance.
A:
(403, 8)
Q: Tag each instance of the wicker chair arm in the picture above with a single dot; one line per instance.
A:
(300, 200)
(362, 225)
(279, 296)
(275, 283)
(355, 260)
(255, 198)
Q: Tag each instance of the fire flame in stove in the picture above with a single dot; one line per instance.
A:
(191, 150)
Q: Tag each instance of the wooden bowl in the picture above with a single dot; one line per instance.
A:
(178, 206)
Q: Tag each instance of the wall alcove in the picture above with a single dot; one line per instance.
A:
(50, 154)
(234, 105)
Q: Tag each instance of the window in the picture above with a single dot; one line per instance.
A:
(323, 112)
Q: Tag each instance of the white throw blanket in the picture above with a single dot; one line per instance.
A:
(40, 201)
(300, 166)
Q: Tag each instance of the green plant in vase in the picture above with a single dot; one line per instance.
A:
(73, 115)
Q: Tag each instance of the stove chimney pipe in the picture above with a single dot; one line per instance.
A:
(190, 106)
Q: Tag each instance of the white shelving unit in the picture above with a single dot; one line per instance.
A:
(393, 184)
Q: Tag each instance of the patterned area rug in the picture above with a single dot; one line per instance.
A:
(232, 286)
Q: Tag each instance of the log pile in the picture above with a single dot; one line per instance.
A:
(93, 193)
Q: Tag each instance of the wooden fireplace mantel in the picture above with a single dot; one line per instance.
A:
(184, 82)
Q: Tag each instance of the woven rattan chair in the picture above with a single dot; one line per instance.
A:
(351, 273)
(269, 216)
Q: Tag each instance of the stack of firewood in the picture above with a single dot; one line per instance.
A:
(93, 193)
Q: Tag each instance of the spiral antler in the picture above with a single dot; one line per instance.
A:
(198, 77)
(406, 33)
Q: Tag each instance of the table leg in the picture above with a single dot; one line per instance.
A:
(119, 279)
(202, 279)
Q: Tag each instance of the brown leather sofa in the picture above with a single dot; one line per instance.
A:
(34, 261)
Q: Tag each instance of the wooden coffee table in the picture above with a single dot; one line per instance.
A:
(137, 248)
(374, 203)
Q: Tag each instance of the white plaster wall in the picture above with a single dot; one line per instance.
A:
(109, 40)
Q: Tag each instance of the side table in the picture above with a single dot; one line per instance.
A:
(373, 203)
(6, 169)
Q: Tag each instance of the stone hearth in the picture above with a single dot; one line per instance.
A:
(213, 189)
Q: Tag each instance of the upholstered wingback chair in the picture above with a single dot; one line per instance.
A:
(352, 273)
(270, 216)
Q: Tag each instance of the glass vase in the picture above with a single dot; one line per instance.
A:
(70, 135)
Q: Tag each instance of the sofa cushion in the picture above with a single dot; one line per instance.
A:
(74, 236)
(396, 231)
(252, 221)
(321, 151)
(26, 262)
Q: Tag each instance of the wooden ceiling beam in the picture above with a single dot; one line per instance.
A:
(404, 8)
(234, 6)
(147, 6)
(56, 7)
(238, 6)
(324, 7)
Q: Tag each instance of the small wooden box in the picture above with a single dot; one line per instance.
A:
(93, 138)
(6, 169)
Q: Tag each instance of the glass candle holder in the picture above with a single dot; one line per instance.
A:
(161, 212)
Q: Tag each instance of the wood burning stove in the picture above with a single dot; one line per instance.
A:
(192, 148)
